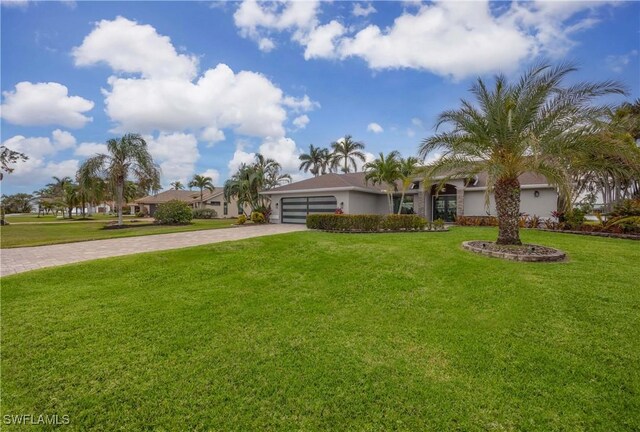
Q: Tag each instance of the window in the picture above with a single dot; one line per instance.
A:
(225, 210)
(215, 203)
(240, 209)
(407, 204)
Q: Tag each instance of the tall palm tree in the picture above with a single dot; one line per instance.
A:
(313, 161)
(176, 185)
(346, 152)
(533, 125)
(127, 156)
(384, 170)
(407, 169)
(202, 182)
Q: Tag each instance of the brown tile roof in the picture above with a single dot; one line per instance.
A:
(189, 196)
(357, 181)
(331, 181)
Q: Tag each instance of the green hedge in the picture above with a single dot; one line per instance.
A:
(365, 223)
(204, 213)
(173, 212)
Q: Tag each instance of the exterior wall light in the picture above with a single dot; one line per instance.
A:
(536, 194)
(277, 205)
(341, 204)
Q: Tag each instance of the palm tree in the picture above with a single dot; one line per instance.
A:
(59, 184)
(313, 161)
(384, 170)
(176, 185)
(407, 169)
(70, 197)
(328, 161)
(246, 183)
(346, 151)
(533, 125)
(202, 182)
(127, 156)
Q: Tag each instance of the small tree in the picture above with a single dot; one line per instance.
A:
(127, 156)
(346, 152)
(384, 170)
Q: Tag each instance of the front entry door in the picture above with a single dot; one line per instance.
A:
(444, 207)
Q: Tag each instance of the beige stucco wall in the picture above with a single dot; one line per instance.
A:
(543, 205)
(366, 203)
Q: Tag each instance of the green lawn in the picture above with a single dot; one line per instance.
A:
(18, 235)
(29, 217)
(317, 331)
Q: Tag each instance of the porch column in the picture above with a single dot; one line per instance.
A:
(460, 201)
(419, 205)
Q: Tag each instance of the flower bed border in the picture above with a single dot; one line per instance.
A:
(558, 255)
(594, 233)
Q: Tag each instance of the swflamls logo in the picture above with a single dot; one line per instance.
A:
(35, 419)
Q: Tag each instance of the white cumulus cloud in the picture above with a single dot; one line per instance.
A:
(40, 104)
(88, 149)
(361, 10)
(176, 153)
(39, 168)
(301, 122)
(127, 46)
(375, 128)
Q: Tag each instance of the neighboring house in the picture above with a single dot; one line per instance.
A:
(351, 193)
(213, 200)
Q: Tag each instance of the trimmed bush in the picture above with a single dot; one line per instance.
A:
(173, 212)
(204, 213)
(477, 221)
(141, 214)
(365, 223)
(257, 217)
(241, 219)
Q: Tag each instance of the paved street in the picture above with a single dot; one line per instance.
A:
(18, 260)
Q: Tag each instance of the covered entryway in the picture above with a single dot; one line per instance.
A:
(295, 210)
(444, 203)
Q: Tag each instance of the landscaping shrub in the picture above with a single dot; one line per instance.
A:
(241, 219)
(404, 222)
(204, 213)
(477, 220)
(438, 224)
(365, 223)
(628, 207)
(257, 217)
(140, 214)
(173, 212)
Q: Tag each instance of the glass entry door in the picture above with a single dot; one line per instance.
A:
(444, 207)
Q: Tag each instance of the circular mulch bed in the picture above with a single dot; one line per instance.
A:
(526, 252)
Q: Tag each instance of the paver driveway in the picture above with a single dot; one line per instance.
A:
(18, 260)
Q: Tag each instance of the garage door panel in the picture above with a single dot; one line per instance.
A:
(295, 210)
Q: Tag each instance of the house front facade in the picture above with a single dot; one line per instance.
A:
(210, 199)
(353, 195)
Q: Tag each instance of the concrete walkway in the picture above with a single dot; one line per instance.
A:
(18, 260)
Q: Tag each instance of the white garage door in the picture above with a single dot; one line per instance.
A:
(295, 210)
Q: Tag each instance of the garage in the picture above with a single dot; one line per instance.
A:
(295, 210)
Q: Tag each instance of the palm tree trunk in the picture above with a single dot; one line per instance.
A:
(401, 202)
(119, 194)
(201, 203)
(507, 194)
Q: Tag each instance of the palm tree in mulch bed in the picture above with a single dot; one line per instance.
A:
(536, 125)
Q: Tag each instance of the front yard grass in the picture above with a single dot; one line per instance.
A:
(49, 218)
(17, 235)
(320, 331)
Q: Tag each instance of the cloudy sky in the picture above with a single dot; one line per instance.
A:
(211, 83)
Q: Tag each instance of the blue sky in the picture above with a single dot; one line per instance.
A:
(210, 83)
